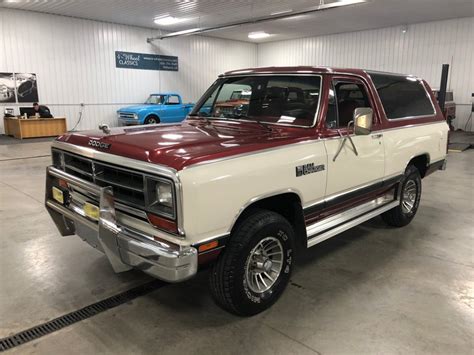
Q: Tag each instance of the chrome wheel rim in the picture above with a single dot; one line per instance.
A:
(264, 264)
(409, 196)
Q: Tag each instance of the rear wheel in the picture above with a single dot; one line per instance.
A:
(410, 195)
(256, 265)
(152, 119)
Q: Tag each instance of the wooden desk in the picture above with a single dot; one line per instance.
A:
(34, 127)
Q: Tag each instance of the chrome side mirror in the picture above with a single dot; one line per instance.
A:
(363, 120)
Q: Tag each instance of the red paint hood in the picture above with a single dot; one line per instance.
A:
(189, 142)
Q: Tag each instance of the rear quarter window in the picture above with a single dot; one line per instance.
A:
(402, 96)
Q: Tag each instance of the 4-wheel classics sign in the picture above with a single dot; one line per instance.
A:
(130, 60)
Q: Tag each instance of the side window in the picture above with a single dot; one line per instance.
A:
(402, 96)
(173, 100)
(344, 98)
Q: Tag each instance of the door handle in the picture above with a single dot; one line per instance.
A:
(377, 136)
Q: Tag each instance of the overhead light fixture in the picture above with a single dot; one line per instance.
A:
(404, 29)
(258, 35)
(167, 20)
(281, 12)
(273, 17)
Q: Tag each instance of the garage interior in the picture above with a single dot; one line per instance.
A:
(372, 289)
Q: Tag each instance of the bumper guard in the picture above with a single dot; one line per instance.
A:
(124, 247)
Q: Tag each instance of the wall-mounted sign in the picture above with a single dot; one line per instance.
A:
(145, 61)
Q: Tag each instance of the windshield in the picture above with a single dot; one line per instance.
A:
(280, 99)
(155, 100)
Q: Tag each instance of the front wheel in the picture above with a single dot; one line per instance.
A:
(255, 267)
(152, 119)
(410, 195)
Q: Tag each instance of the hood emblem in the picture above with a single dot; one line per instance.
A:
(105, 128)
(98, 144)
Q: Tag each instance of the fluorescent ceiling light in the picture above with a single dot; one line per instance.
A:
(341, 3)
(258, 35)
(167, 20)
(281, 12)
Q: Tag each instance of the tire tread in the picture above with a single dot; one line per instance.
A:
(223, 272)
(395, 217)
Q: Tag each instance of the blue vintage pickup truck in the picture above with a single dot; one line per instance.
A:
(158, 108)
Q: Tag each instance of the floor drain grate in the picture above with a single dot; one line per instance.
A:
(56, 324)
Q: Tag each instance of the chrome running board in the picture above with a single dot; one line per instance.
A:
(331, 226)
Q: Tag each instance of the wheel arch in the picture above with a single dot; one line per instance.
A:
(287, 203)
(148, 115)
(421, 162)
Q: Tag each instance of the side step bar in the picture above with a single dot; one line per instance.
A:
(331, 226)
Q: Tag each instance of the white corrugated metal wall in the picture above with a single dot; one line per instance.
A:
(420, 51)
(74, 59)
(75, 63)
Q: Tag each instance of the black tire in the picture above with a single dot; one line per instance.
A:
(400, 216)
(229, 281)
(152, 119)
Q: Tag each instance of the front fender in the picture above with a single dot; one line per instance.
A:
(216, 193)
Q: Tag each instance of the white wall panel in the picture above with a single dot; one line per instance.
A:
(74, 60)
(421, 51)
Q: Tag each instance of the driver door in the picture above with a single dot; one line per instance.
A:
(353, 172)
(174, 110)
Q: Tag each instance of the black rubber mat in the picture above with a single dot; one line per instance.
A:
(56, 324)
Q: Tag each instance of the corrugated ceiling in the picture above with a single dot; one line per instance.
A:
(206, 13)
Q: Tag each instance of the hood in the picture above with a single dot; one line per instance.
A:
(135, 108)
(189, 142)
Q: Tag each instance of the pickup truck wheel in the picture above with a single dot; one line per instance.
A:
(410, 195)
(152, 119)
(256, 265)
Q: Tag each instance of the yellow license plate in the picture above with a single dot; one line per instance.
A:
(58, 195)
(91, 211)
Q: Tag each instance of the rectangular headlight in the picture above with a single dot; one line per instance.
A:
(58, 159)
(161, 199)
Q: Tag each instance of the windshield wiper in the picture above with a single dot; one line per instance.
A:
(261, 123)
(201, 117)
(264, 125)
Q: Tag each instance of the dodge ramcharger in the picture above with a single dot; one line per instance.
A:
(312, 152)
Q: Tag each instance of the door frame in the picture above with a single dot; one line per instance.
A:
(331, 132)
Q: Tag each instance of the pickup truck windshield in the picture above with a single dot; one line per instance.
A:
(155, 100)
(278, 99)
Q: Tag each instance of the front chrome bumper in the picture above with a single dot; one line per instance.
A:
(124, 247)
(128, 121)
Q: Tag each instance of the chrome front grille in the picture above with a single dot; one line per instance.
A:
(126, 115)
(128, 185)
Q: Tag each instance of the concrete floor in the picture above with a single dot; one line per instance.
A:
(371, 290)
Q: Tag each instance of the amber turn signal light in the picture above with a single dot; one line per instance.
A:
(208, 246)
(63, 183)
(162, 223)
